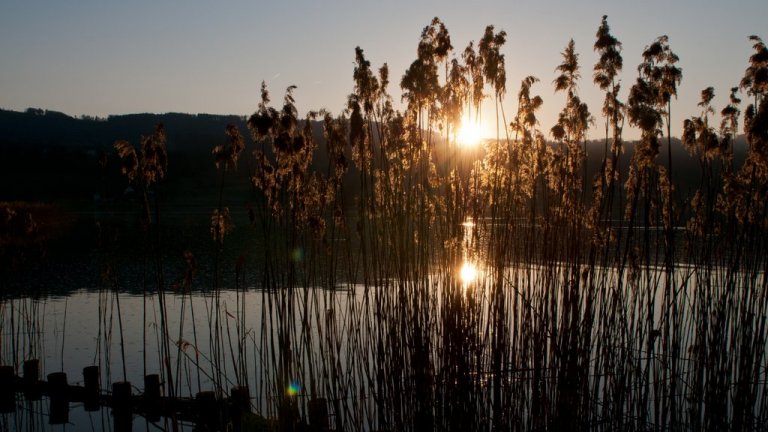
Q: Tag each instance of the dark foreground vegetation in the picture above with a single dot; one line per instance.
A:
(603, 296)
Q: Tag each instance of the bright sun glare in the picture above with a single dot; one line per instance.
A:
(470, 133)
(468, 272)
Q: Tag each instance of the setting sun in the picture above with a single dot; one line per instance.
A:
(470, 133)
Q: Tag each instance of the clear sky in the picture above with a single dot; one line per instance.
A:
(113, 57)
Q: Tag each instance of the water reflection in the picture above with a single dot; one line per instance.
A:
(306, 347)
(468, 273)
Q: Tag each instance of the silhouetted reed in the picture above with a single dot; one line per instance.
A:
(408, 283)
(589, 308)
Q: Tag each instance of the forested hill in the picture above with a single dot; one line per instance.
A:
(48, 155)
(40, 127)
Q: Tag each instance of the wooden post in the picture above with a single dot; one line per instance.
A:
(58, 392)
(151, 399)
(240, 398)
(31, 379)
(121, 396)
(208, 410)
(92, 388)
(318, 415)
(288, 414)
(122, 409)
(7, 389)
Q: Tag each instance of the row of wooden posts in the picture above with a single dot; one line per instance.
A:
(205, 409)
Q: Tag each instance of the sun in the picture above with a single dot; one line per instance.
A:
(470, 133)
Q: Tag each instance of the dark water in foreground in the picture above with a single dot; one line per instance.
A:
(83, 328)
(90, 299)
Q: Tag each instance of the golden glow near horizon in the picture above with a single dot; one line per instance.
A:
(470, 132)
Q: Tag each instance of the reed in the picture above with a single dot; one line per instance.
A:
(409, 283)
(589, 309)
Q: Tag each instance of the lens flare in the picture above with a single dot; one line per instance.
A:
(293, 389)
(297, 255)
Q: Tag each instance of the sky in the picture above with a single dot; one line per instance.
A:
(107, 57)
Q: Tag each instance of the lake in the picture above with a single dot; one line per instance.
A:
(463, 342)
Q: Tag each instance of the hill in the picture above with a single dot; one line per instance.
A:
(50, 156)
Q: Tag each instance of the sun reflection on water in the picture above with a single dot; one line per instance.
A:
(468, 273)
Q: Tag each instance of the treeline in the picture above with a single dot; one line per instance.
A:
(48, 155)
(38, 127)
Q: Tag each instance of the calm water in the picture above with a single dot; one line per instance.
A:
(82, 316)
(83, 328)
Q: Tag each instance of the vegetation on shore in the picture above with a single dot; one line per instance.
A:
(501, 287)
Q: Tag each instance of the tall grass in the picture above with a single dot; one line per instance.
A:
(610, 303)
(589, 312)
